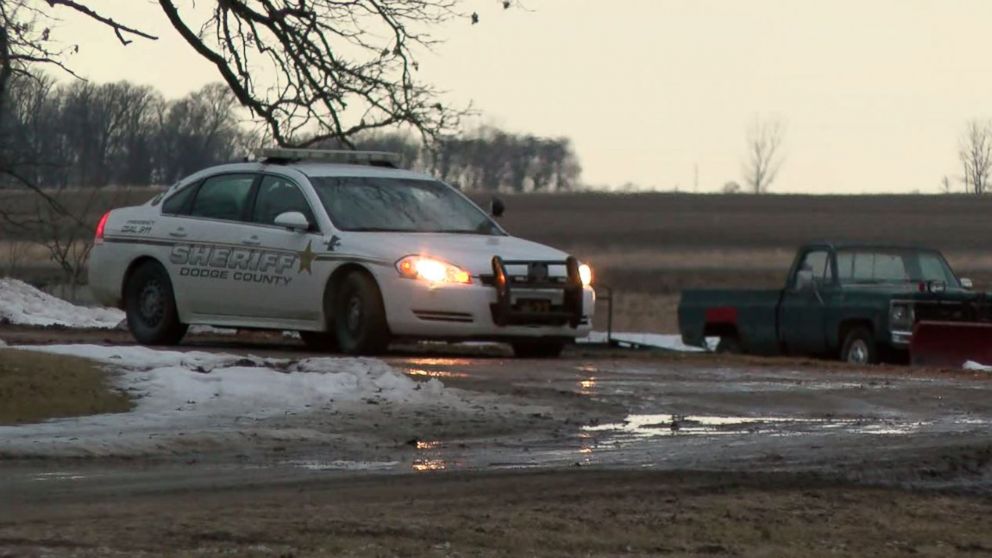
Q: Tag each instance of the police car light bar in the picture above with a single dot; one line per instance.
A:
(280, 154)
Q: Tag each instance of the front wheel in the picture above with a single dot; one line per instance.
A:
(359, 316)
(859, 347)
(538, 349)
(151, 306)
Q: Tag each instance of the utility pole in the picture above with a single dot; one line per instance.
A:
(695, 178)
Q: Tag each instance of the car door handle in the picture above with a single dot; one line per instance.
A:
(251, 241)
(178, 233)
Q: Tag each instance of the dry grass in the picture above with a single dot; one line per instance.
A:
(37, 386)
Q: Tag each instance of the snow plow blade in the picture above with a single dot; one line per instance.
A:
(950, 344)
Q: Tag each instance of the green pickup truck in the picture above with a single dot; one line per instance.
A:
(856, 302)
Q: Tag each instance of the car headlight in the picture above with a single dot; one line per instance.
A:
(585, 274)
(901, 316)
(432, 270)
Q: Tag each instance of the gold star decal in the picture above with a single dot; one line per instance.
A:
(306, 258)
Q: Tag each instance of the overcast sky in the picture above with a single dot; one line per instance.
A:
(874, 93)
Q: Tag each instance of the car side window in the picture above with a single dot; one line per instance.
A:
(178, 203)
(277, 195)
(818, 261)
(223, 197)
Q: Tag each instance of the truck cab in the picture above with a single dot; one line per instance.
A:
(856, 302)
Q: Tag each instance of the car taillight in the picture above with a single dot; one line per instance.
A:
(98, 239)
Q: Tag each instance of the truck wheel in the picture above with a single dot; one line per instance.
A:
(320, 341)
(359, 316)
(538, 349)
(859, 347)
(151, 306)
(729, 345)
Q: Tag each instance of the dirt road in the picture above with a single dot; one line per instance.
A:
(598, 453)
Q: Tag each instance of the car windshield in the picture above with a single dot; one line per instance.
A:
(399, 205)
(866, 266)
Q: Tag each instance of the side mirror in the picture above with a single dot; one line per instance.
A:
(293, 220)
(804, 280)
(967, 283)
(496, 208)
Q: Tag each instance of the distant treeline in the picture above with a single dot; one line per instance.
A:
(84, 134)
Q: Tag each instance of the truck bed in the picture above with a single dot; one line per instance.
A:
(753, 314)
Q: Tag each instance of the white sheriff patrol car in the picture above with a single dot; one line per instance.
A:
(340, 246)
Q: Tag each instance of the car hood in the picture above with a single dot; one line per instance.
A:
(474, 253)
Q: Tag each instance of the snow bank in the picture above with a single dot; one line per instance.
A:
(23, 304)
(660, 340)
(210, 384)
(972, 365)
(197, 399)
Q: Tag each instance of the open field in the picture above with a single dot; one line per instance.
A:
(648, 247)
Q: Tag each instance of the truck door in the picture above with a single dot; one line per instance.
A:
(802, 313)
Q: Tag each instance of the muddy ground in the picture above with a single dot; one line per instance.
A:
(602, 452)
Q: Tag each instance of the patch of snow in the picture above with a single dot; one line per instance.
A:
(211, 330)
(3, 343)
(660, 340)
(972, 365)
(215, 395)
(23, 304)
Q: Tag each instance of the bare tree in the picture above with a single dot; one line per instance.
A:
(975, 153)
(764, 140)
(945, 185)
(310, 70)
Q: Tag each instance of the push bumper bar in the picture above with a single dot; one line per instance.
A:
(511, 306)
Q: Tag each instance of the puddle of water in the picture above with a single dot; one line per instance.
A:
(428, 361)
(650, 426)
(424, 465)
(434, 373)
(340, 465)
(886, 428)
(58, 476)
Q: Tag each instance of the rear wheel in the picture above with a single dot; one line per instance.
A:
(359, 316)
(151, 306)
(538, 349)
(859, 347)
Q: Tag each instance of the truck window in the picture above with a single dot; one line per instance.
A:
(891, 266)
(819, 262)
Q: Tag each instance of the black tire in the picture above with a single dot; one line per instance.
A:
(320, 341)
(151, 306)
(359, 316)
(859, 347)
(538, 349)
(729, 345)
